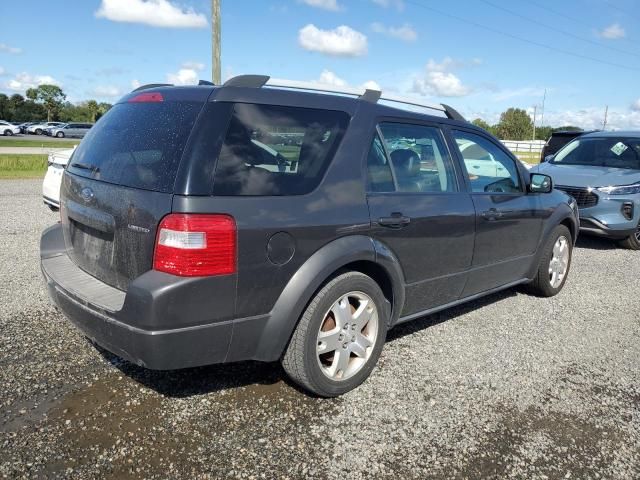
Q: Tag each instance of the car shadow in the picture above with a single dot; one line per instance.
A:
(596, 243)
(428, 321)
(270, 378)
(189, 382)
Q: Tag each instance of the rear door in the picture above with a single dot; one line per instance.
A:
(420, 212)
(119, 184)
(508, 220)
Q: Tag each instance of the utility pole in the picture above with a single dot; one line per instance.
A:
(606, 113)
(544, 98)
(215, 42)
(535, 111)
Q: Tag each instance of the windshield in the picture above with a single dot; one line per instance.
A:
(617, 152)
(137, 145)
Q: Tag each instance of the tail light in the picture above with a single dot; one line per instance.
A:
(194, 245)
(147, 97)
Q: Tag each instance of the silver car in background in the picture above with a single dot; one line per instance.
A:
(77, 130)
(601, 170)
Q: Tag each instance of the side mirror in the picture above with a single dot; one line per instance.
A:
(540, 183)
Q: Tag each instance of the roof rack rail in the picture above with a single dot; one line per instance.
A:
(205, 82)
(366, 94)
(151, 85)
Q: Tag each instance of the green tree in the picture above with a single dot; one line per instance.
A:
(478, 122)
(92, 107)
(103, 107)
(569, 128)
(515, 124)
(4, 107)
(50, 96)
(543, 132)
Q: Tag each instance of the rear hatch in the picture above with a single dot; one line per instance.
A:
(119, 184)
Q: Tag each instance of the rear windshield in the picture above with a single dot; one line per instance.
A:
(618, 152)
(277, 150)
(137, 145)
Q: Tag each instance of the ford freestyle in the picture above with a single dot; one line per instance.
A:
(212, 224)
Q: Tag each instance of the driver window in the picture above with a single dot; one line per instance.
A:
(489, 168)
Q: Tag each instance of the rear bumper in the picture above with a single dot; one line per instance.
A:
(116, 320)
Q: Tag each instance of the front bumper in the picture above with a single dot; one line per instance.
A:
(133, 324)
(606, 218)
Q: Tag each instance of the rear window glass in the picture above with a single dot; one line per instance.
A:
(277, 150)
(137, 145)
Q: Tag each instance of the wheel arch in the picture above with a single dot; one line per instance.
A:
(353, 253)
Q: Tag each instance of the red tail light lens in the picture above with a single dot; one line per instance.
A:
(147, 97)
(195, 245)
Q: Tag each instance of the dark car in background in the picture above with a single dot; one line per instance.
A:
(191, 234)
(559, 139)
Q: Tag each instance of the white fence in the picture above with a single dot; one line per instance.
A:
(526, 146)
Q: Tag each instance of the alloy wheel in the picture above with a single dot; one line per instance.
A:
(347, 335)
(559, 263)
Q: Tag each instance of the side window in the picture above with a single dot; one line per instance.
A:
(277, 150)
(489, 168)
(378, 169)
(419, 158)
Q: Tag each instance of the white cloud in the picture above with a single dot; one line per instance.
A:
(109, 91)
(341, 41)
(157, 13)
(327, 77)
(23, 81)
(636, 106)
(398, 4)
(331, 5)
(404, 32)
(613, 32)
(592, 118)
(371, 85)
(7, 49)
(135, 83)
(2, 71)
(439, 80)
(188, 74)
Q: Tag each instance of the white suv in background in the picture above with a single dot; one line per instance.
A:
(53, 178)
(39, 128)
(7, 128)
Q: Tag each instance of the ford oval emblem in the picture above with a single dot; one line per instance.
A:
(86, 194)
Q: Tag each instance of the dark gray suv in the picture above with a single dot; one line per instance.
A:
(212, 224)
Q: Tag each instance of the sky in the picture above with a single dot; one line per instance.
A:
(479, 56)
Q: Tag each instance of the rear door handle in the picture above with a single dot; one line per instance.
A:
(492, 214)
(396, 220)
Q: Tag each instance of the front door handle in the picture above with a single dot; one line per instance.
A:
(396, 220)
(492, 214)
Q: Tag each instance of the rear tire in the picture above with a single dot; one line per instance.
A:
(555, 263)
(39, 131)
(60, 135)
(632, 242)
(339, 337)
(8, 133)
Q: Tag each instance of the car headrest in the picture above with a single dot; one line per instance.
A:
(406, 162)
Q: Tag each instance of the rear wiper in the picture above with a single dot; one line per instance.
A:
(86, 166)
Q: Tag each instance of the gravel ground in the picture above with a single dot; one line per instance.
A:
(509, 386)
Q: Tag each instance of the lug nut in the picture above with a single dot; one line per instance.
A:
(340, 337)
(345, 345)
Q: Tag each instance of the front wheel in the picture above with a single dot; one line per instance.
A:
(632, 242)
(60, 135)
(8, 133)
(555, 263)
(38, 131)
(339, 337)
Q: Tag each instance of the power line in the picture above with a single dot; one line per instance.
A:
(626, 12)
(558, 30)
(521, 39)
(574, 19)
